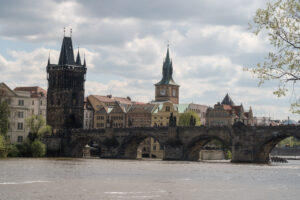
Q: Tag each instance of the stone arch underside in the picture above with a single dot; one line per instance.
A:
(77, 145)
(266, 148)
(129, 146)
(193, 148)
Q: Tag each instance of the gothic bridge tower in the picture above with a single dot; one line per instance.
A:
(65, 95)
(167, 89)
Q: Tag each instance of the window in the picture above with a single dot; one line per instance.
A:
(41, 102)
(32, 102)
(21, 102)
(168, 108)
(20, 114)
(154, 147)
(20, 126)
(174, 93)
(100, 125)
(41, 112)
(20, 139)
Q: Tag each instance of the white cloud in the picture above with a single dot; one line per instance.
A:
(124, 43)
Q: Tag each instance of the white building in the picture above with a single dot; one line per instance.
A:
(22, 102)
(88, 115)
(262, 121)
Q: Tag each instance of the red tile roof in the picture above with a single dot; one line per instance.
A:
(35, 91)
(108, 99)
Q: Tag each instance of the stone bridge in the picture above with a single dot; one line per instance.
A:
(247, 144)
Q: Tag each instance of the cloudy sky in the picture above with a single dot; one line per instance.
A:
(125, 41)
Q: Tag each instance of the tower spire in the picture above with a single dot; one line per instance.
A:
(78, 60)
(84, 63)
(66, 56)
(49, 59)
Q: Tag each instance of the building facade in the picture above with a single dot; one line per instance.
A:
(65, 94)
(38, 104)
(88, 115)
(109, 111)
(227, 113)
(140, 115)
(23, 102)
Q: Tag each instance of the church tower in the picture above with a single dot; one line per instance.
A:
(167, 89)
(65, 95)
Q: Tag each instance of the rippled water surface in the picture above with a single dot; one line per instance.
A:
(74, 179)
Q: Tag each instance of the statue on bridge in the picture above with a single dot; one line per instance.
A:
(192, 121)
(172, 120)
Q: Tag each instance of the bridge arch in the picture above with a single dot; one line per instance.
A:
(129, 147)
(78, 144)
(197, 143)
(270, 142)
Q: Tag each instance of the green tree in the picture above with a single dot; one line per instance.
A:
(38, 149)
(38, 127)
(281, 22)
(2, 147)
(4, 114)
(185, 118)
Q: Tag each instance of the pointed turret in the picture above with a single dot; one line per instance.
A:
(66, 53)
(227, 100)
(167, 71)
(48, 61)
(84, 63)
(78, 60)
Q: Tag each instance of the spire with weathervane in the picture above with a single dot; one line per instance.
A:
(167, 89)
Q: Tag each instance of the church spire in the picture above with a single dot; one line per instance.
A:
(167, 71)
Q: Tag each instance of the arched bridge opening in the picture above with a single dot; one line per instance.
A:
(142, 146)
(85, 147)
(207, 148)
(266, 147)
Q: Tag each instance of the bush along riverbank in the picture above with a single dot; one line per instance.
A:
(32, 146)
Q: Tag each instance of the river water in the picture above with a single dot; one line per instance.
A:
(89, 179)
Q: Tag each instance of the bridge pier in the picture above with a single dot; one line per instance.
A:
(173, 152)
(249, 154)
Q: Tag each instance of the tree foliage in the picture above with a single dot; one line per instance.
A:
(281, 22)
(2, 147)
(4, 114)
(38, 127)
(185, 118)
